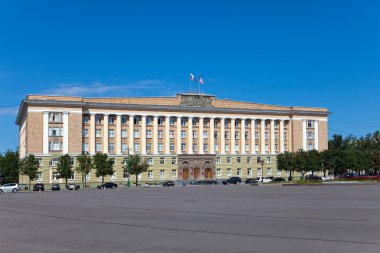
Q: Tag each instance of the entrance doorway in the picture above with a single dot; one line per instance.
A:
(196, 173)
(185, 174)
(208, 174)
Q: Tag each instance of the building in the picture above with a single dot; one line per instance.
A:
(190, 136)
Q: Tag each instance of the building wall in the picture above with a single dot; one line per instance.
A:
(34, 133)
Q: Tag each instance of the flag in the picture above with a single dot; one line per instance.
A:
(192, 78)
(201, 80)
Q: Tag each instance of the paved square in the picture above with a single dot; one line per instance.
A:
(193, 219)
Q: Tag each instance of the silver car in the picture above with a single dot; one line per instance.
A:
(11, 187)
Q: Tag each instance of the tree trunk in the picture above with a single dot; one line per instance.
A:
(29, 184)
(102, 179)
(137, 178)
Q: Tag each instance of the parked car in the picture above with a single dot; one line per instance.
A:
(232, 180)
(252, 180)
(328, 178)
(10, 187)
(278, 179)
(264, 180)
(55, 187)
(206, 182)
(110, 185)
(72, 187)
(313, 178)
(38, 187)
(168, 183)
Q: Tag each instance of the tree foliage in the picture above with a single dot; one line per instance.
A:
(64, 167)
(85, 165)
(137, 165)
(29, 167)
(102, 165)
(9, 166)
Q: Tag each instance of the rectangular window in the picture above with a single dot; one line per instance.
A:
(160, 147)
(136, 147)
(205, 147)
(174, 160)
(269, 160)
(136, 134)
(148, 147)
(285, 147)
(205, 122)
(183, 134)
(39, 177)
(310, 135)
(55, 146)
(238, 159)
(256, 135)
(310, 146)
(275, 124)
(194, 134)
(258, 159)
(216, 135)
(162, 174)
(111, 147)
(171, 121)
(85, 119)
(266, 148)
(85, 132)
(150, 174)
(229, 160)
(136, 120)
(174, 174)
(249, 159)
(111, 120)
(123, 120)
(237, 148)
(55, 131)
(148, 121)
(256, 123)
(285, 136)
(88, 176)
(269, 172)
(266, 135)
(218, 160)
(216, 147)
(256, 147)
(276, 136)
(205, 134)
(160, 121)
(276, 148)
(55, 176)
(183, 122)
(162, 160)
(55, 117)
(246, 124)
(246, 135)
(171, 134)
(124, 147)
(195, 121)
(238, 173)
(183, 147)
(249, 172)
(279, 173)
(123, 133)
(246, 147)
(150, 161)
(160, 134)
(85, 147)
(309, 123)
(98, 119)
(226, 135)
(226, 123)
(98, 147)
(218, 173)
(113, 176)
(229, 172)
(259, 172)
(111, 133)
(236, 135)
(148, 134)
(172, 147)
(194, 147)
(226, 148)
(98, 133)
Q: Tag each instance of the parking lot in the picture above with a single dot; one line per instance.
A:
(193, 219)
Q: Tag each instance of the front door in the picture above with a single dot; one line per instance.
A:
(208, 173)
(185, 174)
(196, 173)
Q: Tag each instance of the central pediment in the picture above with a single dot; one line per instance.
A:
(196, 100)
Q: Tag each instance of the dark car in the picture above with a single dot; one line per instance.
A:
(206, 182)
(278, 179)
(55, 187)
(109, 185)
(168, 183)
(313, 178)
(252, 180)
(232, 180)
(73, 187)
(38, 187)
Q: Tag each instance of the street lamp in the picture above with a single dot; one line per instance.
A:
(262, 170)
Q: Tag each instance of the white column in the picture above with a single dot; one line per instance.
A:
(155, 135)
(105, 133)
(167, 135)
(222, 139)
(272, 136)
(190, 135)
(253, 140)
(242, 138)
(92, 133)
(212, 140)
(316, 135)
(179, 140)
(45, 133)
(304, 134)
(131, 139)
(262, 138)
(65, 133)
(118, 134)
(200, 142)
(232, 135)
(281, 136)
(143, 135)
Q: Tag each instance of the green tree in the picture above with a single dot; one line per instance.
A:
(102, 165)
(312, 161)
(137, 165)
(300, 162)
(286, 162)
(85, 165)
(375, 161)
(9, 166)
(328, 161)
(29, 167)
(64, 167)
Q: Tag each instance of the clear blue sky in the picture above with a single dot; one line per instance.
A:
(307, 53)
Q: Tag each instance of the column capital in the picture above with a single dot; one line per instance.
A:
(155, 116)
(167, 117)
(201, 117)
(105, 114)
(178, 117)
(66, 112)
(131, 115)
(211, 117)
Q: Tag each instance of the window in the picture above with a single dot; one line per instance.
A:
(160, 147)
(136, 147)
(194, 147)
(55, 176)
(125, 174)
(150, 161)
(55, 117)
(174, 160)
(72, 177)
(88, 176)
(246, 135)
(194, 134)
(195, 121)
(259, 172)
(275, 124)
(236, 135)
(229, 160)
(246, 147)
(39, 160)
(111, 133)
(162, 160)
(269, 160)
(256, 135)
(238, 159)
(238, 172)
(266, 135)
(160, 121)
(246, 124)
(237, 147)
(39, 177)
(136, 134)
(226, 148)
(113, 176)
(279, 173)
(269, 172)
(183, 146)
(183, 122)
(276, 136)
(309, 123)
(55, 131)
(236, 123)
(136, 120)
(85, 119)
(85, 147)
(229, 172)
(310, 146)
(148, 147)
(310, 135)
(160, 134)
(284, 136)
(258, 159)
(276, 148)
(171, 134)
(249, 172)
(111, 120)
(150, 174)
(85, 132)
(148, 134)
(205, 147)
(216, 135)
(123, 133)
(205, 122)
(218, 160)
(171, 147)
(174, 174)
(256, 147)
(205, 134)
(148, 121)
(266, 148)
(256, 123)
(218, 173)
(162, 174)
(249, 159)
(285, 124)
(216, 123)
(98, 119)
(216, 147)
(226, 123)
(55, 146)
(98, 147)
(98, 133)
(183, 134)
(285, 148)
(124, 147)
(171, 121)
(226, 135)
(111, 147)
(123, 120)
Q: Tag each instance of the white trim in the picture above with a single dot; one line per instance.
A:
(316, 135)
(311, 118)
(45, 133)
(63, 110)
(65, 132)
(304, 135)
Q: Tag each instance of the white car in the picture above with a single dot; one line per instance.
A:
(11, 187)
(264, 180)
(328, 178)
